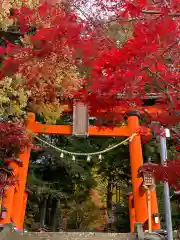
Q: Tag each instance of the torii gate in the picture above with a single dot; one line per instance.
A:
(14, 202)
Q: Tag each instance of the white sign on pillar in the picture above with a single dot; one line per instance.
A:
(80, 120)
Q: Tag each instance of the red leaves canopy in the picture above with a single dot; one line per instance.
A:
(169, 173)
(147, 63)
(13, 139)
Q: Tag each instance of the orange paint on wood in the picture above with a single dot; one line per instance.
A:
(67, 130)
(154, 209)
(25, 198)
(18, 206)
(7, 201)
(136, 160)
(131, 211)
(19, 194)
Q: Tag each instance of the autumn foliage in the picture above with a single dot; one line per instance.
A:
(146, 64)
(64, 55)
(13, 139)
(169, 173)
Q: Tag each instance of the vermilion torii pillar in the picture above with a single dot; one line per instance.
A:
(136, 160)
(132, 217)
(15, 197)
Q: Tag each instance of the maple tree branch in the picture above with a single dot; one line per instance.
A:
(170, 47)
(162, 79)
(11, 32)
(150, 12)
(153, 12)
(169, 97)
(92, 22)
(126, 20)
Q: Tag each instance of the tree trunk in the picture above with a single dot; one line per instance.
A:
(178, 232)
(54, 210)
(48, 211)
(43, 212)
(109, 195)
(59, 217)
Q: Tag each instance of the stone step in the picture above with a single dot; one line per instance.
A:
(69, 236)
(8, 233)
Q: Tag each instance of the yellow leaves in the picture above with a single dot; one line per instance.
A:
(68, 78)
(55, 71)
(30, 132)
(54, 80)
(12, 100)
(83, 214)
(7, 5)
(50, 111)
(26, 41)
(14, 109)
(17, 80)
(101, 185)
